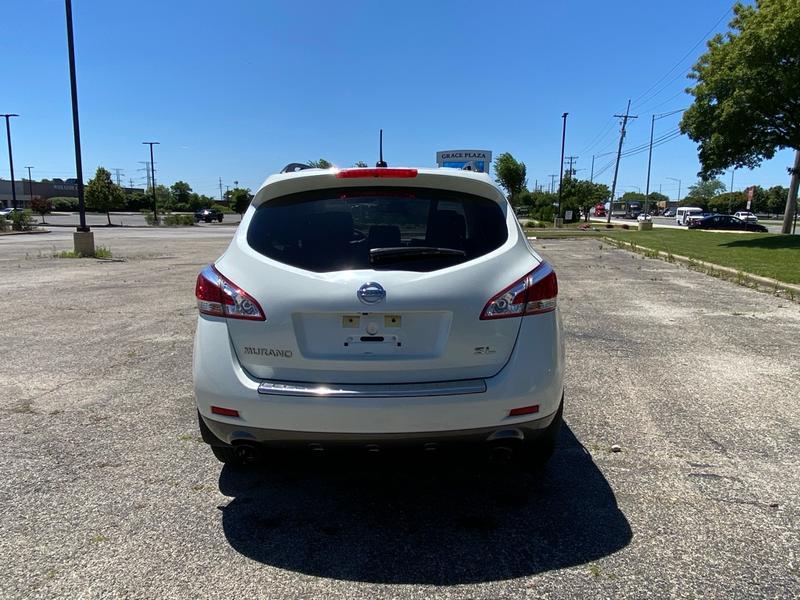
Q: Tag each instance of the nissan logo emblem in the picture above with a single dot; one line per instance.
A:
(371, 293)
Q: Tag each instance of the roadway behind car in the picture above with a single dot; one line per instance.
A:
(127, 219)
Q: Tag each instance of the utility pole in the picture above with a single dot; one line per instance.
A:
(791, 200)
(11, 160)
(30, 185)
(571, 160)
(625, 119)
(561, 173)
(220, 189)
(130, 182)
(552, 181)
(117, 172)
(153, 180)
(591, 175)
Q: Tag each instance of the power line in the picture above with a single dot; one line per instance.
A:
(683, 58)
(600, 136)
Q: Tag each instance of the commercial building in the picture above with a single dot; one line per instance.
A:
(47, 188)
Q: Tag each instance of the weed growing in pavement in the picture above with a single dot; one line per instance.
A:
(99, 252)
(594, 571)
(99, 538)
(188, 437)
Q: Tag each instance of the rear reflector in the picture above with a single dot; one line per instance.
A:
(225, 412)
(532, 294)
(524, 410)
(377, 172)
(218, 296)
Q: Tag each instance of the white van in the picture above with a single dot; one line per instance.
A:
(683, 212)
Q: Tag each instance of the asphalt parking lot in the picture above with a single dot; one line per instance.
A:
(107, 491)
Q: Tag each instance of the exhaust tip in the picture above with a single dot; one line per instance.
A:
(501, 455)
(246, 453)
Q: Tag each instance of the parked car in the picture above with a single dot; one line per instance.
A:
(669, 213)
(746, 215)
(644, 217)
(208, 215)
(726, 223)
(6, 212)
(375, 308)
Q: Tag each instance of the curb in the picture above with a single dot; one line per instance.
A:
(757, 280)
(38, 232)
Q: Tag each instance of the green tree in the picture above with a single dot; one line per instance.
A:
(42, 206)
(633, 197)
(746, 93)
(136, 201)
(776, 199)
(581, 194)
(239, 199)
(181, 194)
(701, 192)
(102, 194)
(728, 202)
(543, 205)
(361, 164)
(320, 164)
(511, 175)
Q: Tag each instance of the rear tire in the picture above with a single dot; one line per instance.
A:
(536, 453)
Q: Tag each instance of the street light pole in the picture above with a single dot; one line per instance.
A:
(650, 153)
(76, 128)
(561, 171)
(30, 185)
(153, 180)
(649, 162)
(679, 186)
(11, 159)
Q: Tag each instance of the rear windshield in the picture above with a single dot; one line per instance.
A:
(384, 229)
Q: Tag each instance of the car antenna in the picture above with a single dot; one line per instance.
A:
(381, 162)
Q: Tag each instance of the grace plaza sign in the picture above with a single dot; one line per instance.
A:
(473, 160)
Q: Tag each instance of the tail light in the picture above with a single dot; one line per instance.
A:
(533, 294)
(220, 297)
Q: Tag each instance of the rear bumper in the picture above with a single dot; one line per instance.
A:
(223, 434)
(533, 375)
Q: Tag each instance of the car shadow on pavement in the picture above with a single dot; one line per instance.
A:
(414, 521)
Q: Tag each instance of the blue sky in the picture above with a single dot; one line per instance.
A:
(238, 89)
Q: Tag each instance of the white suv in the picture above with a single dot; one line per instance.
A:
(746, 216)
(378, 307)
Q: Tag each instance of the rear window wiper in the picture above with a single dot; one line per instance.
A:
(400, 253)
